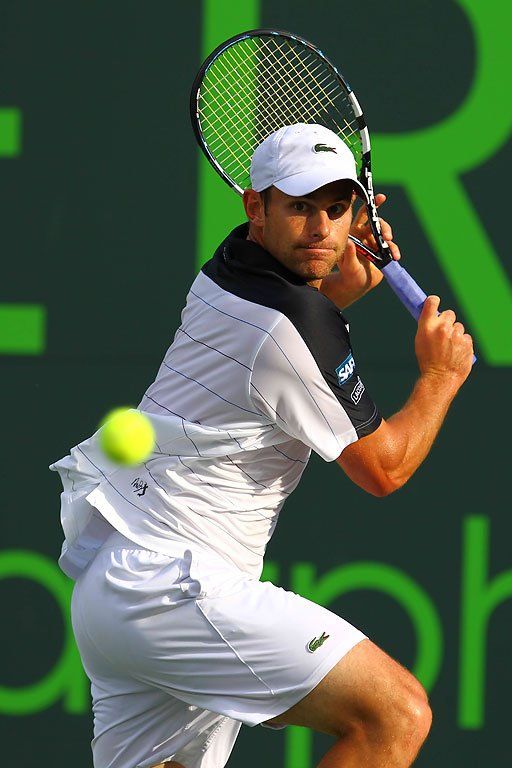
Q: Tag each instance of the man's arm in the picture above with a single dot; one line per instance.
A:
(383, 461)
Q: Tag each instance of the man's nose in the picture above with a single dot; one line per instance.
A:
(320, 225)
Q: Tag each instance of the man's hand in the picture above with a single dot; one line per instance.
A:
(443, 349)
(361, 229)
(356, 275)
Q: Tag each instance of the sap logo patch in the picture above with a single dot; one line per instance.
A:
(357, 392)
(345, 369)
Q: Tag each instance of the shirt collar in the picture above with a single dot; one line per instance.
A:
(248, 256)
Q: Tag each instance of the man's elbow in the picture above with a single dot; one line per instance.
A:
(384, 485)
(375, 471)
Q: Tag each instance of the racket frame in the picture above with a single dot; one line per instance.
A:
(383, 255)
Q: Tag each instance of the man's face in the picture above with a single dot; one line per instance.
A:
(307, 234)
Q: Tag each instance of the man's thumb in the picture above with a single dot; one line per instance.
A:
(350, 253)
(430, 308)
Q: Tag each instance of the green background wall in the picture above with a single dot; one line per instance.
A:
(106, 211)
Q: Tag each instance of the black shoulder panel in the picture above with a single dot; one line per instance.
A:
(245, 269)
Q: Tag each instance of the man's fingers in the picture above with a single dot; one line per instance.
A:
(362, 229)
(445, 321)
(385, 228)
(395, 251)
(448, 316)
(361, 217)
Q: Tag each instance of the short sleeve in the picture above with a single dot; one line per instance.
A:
(312, 391)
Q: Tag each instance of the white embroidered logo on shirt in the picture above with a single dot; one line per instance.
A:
(357, 392)
(139, 486)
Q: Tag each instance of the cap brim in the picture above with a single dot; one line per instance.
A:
(306, 182)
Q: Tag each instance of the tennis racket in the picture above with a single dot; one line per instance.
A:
(257, 82)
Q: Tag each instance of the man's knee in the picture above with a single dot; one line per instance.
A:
(406, 720)
(367, 692)
(397, 710)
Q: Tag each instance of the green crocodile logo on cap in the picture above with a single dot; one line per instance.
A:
(316, 642)
(324, 148)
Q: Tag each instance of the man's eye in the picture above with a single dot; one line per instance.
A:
(336, 210)
(300, 207)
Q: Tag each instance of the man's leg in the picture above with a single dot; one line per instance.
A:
(377, 711)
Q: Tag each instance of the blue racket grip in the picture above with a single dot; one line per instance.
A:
(407, 289)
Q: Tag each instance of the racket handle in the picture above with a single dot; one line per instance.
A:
(407, 289)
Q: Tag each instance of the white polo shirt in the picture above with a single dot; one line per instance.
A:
(260, 373)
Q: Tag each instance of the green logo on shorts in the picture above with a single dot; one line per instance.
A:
(317, 642)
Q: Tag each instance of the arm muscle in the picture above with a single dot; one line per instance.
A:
(383, 461)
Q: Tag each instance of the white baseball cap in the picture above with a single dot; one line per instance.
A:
(297, 159)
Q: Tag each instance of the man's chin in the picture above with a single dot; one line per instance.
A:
(312, 269)
(316, 271)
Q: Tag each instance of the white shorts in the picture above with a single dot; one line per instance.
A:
(181, 651)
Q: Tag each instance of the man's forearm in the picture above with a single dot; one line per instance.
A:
(412, 431)
(383, 461)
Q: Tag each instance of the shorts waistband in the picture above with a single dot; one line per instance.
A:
(117, 540)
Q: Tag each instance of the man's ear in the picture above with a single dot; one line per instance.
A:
(254, 207)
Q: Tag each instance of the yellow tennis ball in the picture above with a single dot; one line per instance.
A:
(127, 436)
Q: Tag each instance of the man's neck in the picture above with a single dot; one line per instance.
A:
(255, 236)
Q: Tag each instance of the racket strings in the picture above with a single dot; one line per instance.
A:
(264, 102)
(276, 110)
(352, 126)
(222, 116)
(276, 79)
(252, 110)
(218, 82)
(303, 58)
(224, 71)
(310, 89)
(218, 136)
(299, 97)
(217, 131)
(268, 102)
(266, 123)
(285, 78)
(270, 97)
(261, 84)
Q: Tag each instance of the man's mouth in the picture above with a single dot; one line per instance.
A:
(317, 247)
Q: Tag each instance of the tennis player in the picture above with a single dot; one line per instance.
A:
(181, 641)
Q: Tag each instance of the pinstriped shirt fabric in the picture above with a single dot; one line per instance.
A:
(260, 373)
